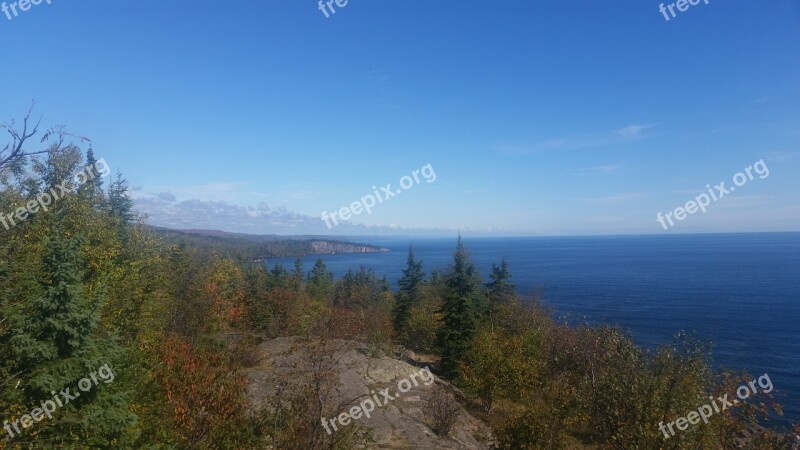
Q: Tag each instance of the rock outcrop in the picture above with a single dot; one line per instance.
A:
(403, 422)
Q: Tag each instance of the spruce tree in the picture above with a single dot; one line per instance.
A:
(57, 342)
(297, 275)
(499, 289)
(499, 286)
(93, 187)
(408, 291)
(320, 281)
(119, 203)
(91, 161)
(279, 277)
(459, 312)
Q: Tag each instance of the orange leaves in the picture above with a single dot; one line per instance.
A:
(225, 288)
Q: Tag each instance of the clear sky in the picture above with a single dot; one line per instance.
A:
(538, 117)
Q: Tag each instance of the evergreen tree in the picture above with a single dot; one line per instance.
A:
(297, 275)
(499, 289)
(343, 289)
(460, 304)
(435, 277)
(279, 277)
(499, 286)
(320, 281)
(256, 307)
(91, 161)
(57, 343)
(93, 187)
(408, 291)
(385, 285)
(119, 203)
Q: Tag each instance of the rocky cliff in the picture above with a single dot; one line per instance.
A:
(332, 247)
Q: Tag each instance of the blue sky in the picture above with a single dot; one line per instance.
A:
(579, 117)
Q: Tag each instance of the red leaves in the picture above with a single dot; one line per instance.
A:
(202, 390)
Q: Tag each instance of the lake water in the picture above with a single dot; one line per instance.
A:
(738, 291)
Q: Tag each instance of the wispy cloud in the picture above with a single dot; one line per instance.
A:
(167, 196)
(606, 169)
(618, 136)
(165, 211)
(780, 156)
(633, 131)
(378, 76)
(617, 198)
(689, 191)
(745, 201)
(226, 191)
(207, 191)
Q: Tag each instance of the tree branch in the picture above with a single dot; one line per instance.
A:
(15, 150)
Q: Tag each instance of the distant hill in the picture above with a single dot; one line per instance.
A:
(255, 247)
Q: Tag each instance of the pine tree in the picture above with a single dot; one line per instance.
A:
(408, 291)
(460, 304)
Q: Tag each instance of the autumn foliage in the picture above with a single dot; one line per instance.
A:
(205, 397)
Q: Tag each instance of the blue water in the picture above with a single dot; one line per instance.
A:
(738, 291)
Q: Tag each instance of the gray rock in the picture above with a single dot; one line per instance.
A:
(398, 423)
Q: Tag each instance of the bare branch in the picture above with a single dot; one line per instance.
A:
(16, 148)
